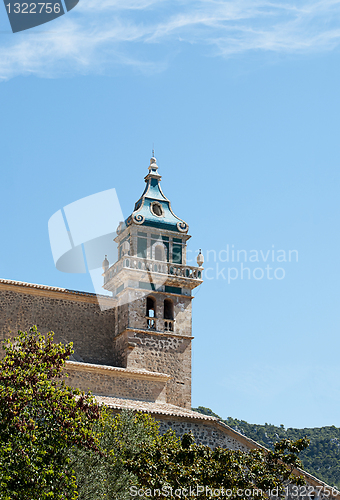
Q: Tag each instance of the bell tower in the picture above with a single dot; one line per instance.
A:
(153, 285)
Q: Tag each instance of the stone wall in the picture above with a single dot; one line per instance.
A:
(76, 317)
(117, 382)
(156, 350)
(161, 353)
(73, 317)
(204, 432)
(132, 312)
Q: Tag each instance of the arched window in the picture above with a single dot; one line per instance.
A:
(150, 307)
(159, 253)
(168, 309)
(150, 313)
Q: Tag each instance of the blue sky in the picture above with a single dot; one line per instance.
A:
(241, 100)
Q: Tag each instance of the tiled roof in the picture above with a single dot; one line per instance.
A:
(173, 411)
(80, 364)
(154, 408)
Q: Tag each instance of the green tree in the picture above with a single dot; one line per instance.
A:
(105, 476)
(55, 442)
(40, 418)
(136, 457)
(169, 464)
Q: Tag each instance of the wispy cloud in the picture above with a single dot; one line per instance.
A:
(111, 5)
(97, 35)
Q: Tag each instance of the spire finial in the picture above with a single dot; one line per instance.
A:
(153, 164)
(153, 167)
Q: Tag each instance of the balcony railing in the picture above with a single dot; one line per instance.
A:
(154, 266)
(166, 325)
(169, 325)
(150, 323)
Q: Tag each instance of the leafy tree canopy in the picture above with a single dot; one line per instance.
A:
(105, 476)
(168, 465)
(40, 417)
(56, 443)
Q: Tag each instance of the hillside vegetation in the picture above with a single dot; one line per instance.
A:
(321, 458)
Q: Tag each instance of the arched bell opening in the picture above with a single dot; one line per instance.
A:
(168, 315)
(151, 313)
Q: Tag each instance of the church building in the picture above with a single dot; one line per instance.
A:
(136, 352)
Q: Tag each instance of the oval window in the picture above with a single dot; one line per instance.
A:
(156, 209)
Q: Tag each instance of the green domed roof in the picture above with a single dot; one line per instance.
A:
(153, 208)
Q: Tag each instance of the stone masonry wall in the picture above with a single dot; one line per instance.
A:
(204, 433)
(115, 384)
(120, 347)
(163, 354)
(182, 311)
(156, 350)
(79, 320)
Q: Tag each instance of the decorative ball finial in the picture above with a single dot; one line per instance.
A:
(126, 248)
(200, 259)
(153, 167)
(105, 264)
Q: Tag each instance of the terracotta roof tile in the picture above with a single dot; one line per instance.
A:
(117, 369)
(154, 408)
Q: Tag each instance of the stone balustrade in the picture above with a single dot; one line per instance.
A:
(160, 324)
(153, 266)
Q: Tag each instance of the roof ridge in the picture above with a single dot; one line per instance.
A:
(117, 368)
(52, 288)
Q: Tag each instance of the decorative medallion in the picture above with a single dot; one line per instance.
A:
(182, 227)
